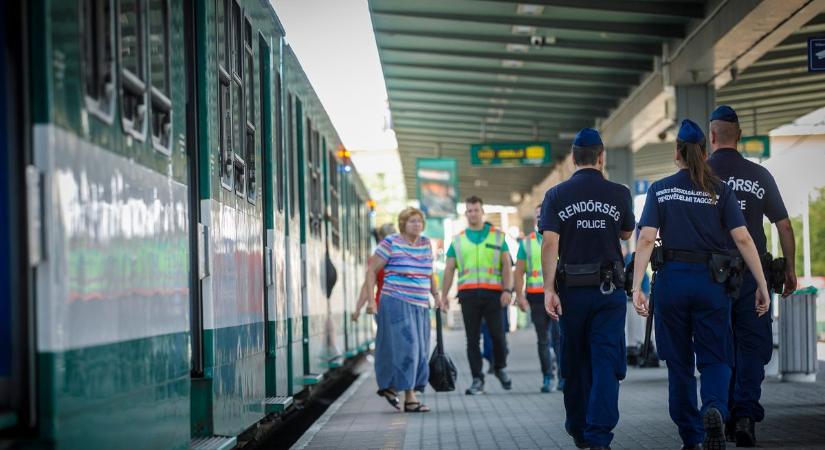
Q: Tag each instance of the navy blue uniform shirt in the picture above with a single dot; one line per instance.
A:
(755, 189)
(589, 213)
(686, 217)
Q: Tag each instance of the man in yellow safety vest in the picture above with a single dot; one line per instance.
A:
(547, 330)
(484, 287)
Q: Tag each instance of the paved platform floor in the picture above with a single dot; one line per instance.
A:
(524, 418)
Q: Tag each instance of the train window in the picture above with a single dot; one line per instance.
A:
(265, 115)
(332, 188)
(316, 183)
(159, 74)
(249, 113)
(225, 118)
(98, 62)
(295, 125)
(227, 160)
(132, 77)
(290, 153)
(222, 28)
(237, 42)
(251, 194)
(249, 80)
(280, 183)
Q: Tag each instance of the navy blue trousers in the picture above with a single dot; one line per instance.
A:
(593, 361)
(692, 317)
(753, 346)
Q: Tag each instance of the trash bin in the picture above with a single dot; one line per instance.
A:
(797, 336)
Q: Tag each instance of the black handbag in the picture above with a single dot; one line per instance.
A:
(442, 369)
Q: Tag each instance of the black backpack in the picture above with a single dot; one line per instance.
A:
(442, 369)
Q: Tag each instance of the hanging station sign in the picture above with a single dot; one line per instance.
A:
(437, 186)
(755, 146)
(508, 154)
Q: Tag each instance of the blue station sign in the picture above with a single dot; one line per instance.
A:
(816, 54)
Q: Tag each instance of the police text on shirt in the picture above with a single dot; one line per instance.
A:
(590, 206)
(684, 195)
(742, 185)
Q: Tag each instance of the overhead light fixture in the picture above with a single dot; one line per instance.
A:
(515, 197)
(492, 119)
(504, 77)
(518, 48)
(511, 63)
(499, 101)
(480, 183)
(524, 29)
(567, 135)
(495, 111)
(503, 90)
(527, 9)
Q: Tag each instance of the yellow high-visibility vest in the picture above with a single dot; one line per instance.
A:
(535, 279)
(479, 265)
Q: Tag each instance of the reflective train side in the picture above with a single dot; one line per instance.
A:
(191, 235)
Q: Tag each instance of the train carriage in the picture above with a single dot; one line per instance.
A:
(184, 208)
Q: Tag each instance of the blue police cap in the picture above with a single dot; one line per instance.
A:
(726, 113)
(689, 131)
(587, 137)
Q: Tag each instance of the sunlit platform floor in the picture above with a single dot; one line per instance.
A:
(524, 418)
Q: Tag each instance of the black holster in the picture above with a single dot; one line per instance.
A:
(606, 275)
(728, 269)
(774, 269)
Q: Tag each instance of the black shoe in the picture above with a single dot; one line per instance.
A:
(714, 430)
(599, 448)
(506, 382)
(578, 441)
(693, 447)
(745, 432)
(491, 369)
(476, 388)
(730, 430)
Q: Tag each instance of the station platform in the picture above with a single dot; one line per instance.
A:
(524, 418)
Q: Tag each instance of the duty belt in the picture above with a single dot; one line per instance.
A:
(724, 268)
(606, 275)
(687, 256)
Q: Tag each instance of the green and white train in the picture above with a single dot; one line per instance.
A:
(182, 235)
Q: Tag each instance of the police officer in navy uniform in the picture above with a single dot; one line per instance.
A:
(694, 213)
(582, 222)
(758, 196)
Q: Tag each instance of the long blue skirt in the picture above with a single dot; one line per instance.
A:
(402, 345)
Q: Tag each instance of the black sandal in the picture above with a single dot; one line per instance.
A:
(391, 397)
(419, 407)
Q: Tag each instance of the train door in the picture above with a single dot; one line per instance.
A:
(273, 173)
(17, 395)
(336, 308)
(295, 331)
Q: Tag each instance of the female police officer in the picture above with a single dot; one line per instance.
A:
(692, 210)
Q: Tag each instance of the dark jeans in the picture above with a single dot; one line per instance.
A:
(478, 304)
(547, 334)
(487, 341)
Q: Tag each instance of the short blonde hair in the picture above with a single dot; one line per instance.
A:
(405, 215)
(385, 230)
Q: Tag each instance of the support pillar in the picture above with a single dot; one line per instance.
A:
(619, 166)
(695, 102)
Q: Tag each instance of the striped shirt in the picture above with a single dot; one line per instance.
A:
(409, 269)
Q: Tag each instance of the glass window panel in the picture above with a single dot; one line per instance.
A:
(237, 123)
(159, 45)
(131, 37)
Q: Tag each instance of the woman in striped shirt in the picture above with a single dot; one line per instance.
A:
(403, 338)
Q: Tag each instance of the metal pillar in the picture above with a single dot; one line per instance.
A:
(619, 165)
(695, 102)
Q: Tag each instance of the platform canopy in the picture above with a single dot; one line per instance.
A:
(461, 72)
(778, 88)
